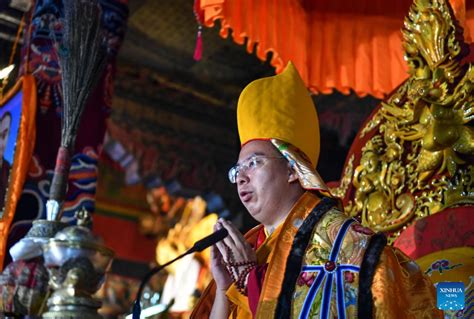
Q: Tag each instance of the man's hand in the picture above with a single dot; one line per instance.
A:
(219, 272)
(235, 254)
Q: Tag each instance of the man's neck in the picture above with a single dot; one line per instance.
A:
(287, 207)
(270, 229)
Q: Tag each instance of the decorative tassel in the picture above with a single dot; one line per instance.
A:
(198, 49)
(199, 15)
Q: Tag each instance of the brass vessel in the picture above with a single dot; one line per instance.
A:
(77, 262)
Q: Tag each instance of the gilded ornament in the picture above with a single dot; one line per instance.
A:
(346, 179)
(419, 159)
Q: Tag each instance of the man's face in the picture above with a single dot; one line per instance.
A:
(262, 183)
(4, 131)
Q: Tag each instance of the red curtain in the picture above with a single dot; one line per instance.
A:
(335, 44)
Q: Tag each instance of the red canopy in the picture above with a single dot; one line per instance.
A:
(335, 44)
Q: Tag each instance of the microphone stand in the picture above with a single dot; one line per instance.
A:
(198, 246)
(136, 306)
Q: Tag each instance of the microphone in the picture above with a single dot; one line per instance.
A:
(208, 241)
(198, 246)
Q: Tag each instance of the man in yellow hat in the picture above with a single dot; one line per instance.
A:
(306, 259)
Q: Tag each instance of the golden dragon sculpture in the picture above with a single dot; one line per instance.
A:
(419, 144)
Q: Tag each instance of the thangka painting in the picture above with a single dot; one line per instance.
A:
(17, 139)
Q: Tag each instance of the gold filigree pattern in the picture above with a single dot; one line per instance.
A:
(370, 125)
(419, 158)
(346, 180)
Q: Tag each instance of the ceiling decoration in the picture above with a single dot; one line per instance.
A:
(162, 35)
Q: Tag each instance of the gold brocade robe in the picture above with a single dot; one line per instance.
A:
(322, 264)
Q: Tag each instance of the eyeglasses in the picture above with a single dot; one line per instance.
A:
(249, 165)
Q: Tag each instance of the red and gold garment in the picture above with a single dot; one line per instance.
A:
(321, 264)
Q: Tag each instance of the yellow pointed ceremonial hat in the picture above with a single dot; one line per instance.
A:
(280, 107)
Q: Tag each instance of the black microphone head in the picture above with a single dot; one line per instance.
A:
(210, 240)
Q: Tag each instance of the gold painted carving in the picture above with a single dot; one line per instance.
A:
(341, 190)
(420, 159)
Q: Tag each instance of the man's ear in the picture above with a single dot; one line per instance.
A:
(292, 176)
